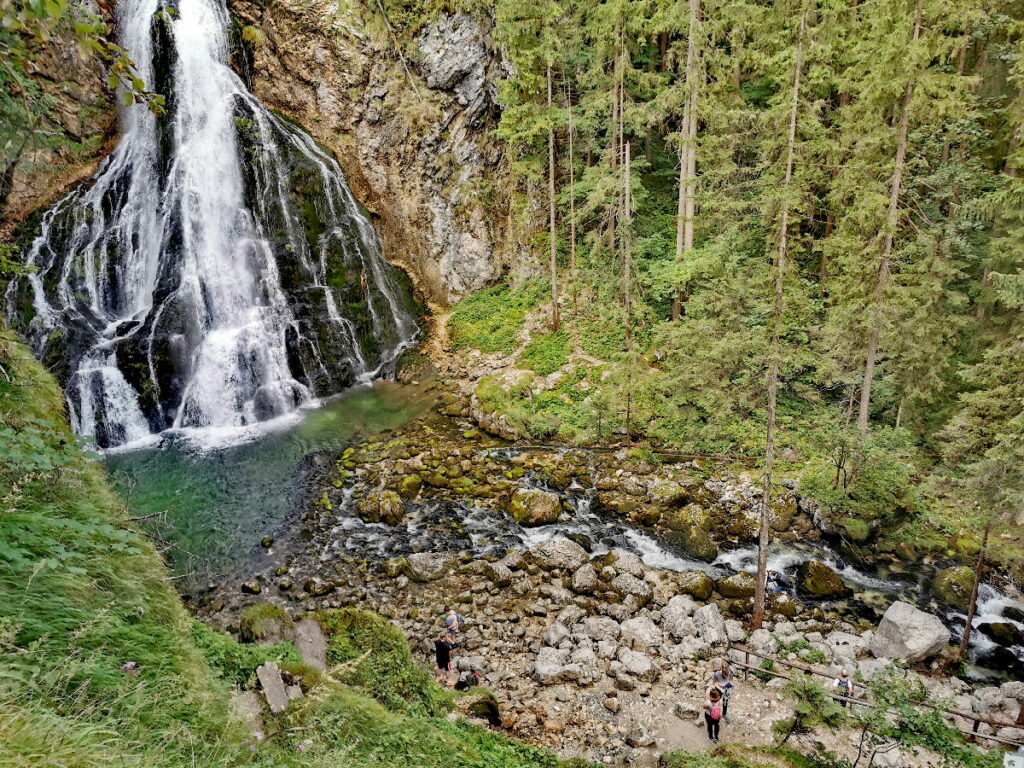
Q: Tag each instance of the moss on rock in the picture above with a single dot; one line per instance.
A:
(954, 585)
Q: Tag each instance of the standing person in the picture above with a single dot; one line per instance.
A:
(454, 621)
(845, 686)
(713, 713)
(722, 679)
(443, 656)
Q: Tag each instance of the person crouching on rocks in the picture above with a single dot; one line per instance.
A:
(713, 713)
(443, 655)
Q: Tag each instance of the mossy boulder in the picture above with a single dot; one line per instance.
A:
(954, 585)
(698, 584)
(815, 579)
(529, 507)
(689, 528)
(781, 514)
(781, 604)
(409, 486)
(856, 530)
(264, 623)
(742, 584)
(668, 493)
(616, 503)
(383, 507)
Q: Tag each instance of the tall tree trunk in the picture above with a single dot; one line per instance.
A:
(687, 203)
(778, 307)
(830, 225)
(882, 281)
(627, 247)
(573, 275)
(555, 320)
(972, 609)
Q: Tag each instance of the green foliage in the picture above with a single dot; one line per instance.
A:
(490, 320)
(804, 650)
(236, 662)
(812, 708)
(546, 353)
(382, 665)
(766, 676)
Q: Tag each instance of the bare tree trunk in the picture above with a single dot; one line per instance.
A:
(972, 609)
(627, 247)
(555, 320)
(895, 188)
(764, 534)
(687, 204)
(572, 206)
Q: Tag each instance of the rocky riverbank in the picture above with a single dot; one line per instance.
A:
(586, 647)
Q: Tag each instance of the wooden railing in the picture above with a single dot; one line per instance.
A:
(977, 719)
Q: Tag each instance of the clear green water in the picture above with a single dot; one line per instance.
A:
(215, 505)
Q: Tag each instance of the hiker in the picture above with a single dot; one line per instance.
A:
(713, 713)
(467, 680)
(454, 621)
(722, 680)
(443, 655)
(845, 686)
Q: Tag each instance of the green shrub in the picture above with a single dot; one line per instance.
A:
(490, 320)
(546, 353)
(387, 673)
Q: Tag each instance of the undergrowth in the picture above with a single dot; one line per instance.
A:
(490, 320)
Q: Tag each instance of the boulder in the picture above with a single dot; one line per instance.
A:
(549, 666)
(499, 574)
(689, 528)
(742, 584)
(601, 628)
(311, 643)
(384, 507)
(815, 579)
(710, 624)
(1002, 633)
(761, 640)
(954, 586)
(427, 566)
(631, 586)
(584, 580)
(675, 616)
(909, 634)
(639, 737)
(556, 633)
(530, 506)
(558, 552)
(624, 561)
(696, 583)
(638, 665)
(641, 632)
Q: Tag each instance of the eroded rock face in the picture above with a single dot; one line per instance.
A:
(909, 634)
(415, 143)
(83, 112)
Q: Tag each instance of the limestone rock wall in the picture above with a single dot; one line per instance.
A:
(412, 128)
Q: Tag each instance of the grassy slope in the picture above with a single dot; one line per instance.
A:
(82, 592)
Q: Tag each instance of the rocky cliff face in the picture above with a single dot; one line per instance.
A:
(84, 114)
(413, 131)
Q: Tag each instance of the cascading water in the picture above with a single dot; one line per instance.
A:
(217, 271)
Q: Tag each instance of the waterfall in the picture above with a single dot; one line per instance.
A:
(217, 270)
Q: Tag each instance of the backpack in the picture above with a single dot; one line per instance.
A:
(716, 709)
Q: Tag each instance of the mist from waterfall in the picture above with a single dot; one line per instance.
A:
(217, 270)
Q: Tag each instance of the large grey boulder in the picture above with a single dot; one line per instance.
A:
(427, 566)
(559, 552)
(584, 580)
(601, 628)
(909, 634)
(549, 666)
(710, 624)
(641, 632)
(624, 561)
(630, 586)
(675, 616)
(555, 634)
(638, 665)
(530, 506)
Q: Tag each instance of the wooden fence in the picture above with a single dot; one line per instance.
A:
(977, 719)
